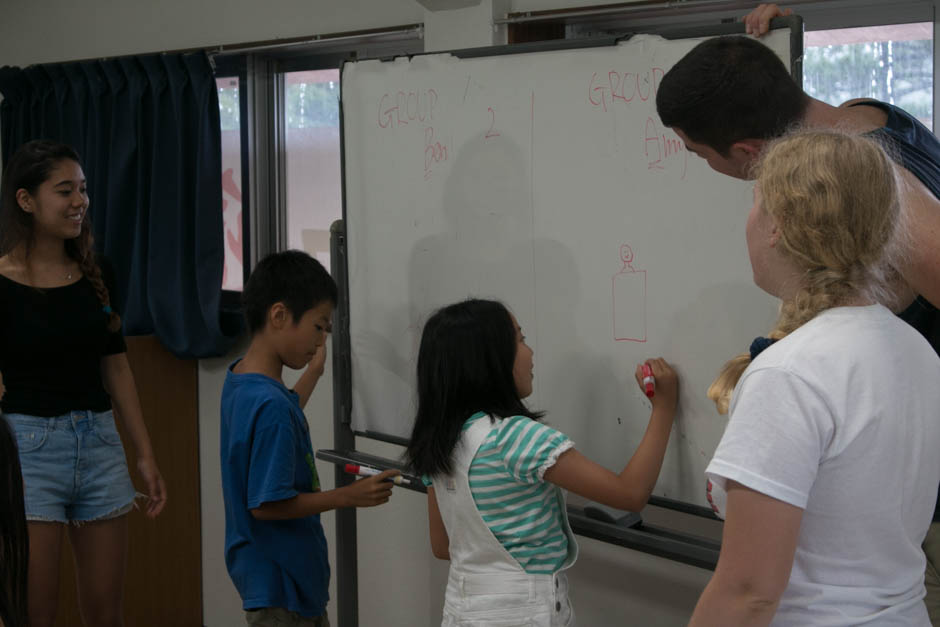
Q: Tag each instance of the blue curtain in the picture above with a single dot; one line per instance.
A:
(147, 129)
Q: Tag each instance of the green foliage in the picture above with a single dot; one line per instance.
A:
(312, 104)
(228, 108)
(898, 72)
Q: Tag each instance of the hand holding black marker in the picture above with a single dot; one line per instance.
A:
(367, 471)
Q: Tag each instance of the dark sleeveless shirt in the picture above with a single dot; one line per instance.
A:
(918, 150)
(51, 344)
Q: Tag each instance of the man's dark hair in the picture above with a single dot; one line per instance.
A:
(291, 277)
(727, 89)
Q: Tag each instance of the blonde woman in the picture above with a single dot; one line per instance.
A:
(826, 475)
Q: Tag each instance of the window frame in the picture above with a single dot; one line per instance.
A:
(226, 67)
(263, 117)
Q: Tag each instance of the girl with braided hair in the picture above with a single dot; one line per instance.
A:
(826, 474)
(64, 367)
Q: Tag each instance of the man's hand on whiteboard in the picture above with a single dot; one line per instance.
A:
(757, 22)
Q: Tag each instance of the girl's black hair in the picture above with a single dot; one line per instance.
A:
(465, 365)
(14, 541)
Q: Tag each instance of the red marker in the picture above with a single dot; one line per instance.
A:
(367, 471)
(649, 381)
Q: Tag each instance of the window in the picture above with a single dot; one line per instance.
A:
(233, 275)
(890, 63)
(314, 171)
(279, 113)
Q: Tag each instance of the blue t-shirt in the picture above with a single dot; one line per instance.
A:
(267, 456)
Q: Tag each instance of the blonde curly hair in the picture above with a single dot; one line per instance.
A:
(834, 197)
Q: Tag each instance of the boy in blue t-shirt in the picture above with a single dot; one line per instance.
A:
(275, 549)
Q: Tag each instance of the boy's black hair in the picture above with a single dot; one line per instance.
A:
(465, 365)
(727, 89)
(291, 277)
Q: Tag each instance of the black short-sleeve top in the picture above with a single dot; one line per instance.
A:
(51, 344)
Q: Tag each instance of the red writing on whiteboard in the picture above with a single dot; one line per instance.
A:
(492, 132)
(434, 152)
(399, 109)
(663, 147)
(624, 87)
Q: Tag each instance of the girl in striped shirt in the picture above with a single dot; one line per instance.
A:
(494, 472)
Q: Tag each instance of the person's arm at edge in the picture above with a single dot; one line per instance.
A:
(757, 548)
(631, 489)
(366, 492)
(118, 380)
(440, 542)
(922, 272)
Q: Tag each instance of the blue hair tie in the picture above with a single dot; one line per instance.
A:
(758, 346)
(107, 309)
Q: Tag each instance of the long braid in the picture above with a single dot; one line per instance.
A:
(92, 271)
(807, 304)
(834, 199)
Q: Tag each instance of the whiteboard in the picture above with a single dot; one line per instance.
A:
(546, 180)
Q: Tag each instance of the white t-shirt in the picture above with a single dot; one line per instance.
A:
(842, 419)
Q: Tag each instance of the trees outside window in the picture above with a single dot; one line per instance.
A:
(889, 63)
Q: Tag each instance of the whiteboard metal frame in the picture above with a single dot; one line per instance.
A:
(687, 548)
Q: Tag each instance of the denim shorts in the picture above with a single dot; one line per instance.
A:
(74, 469)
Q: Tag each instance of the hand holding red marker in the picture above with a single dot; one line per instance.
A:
(659, 381)
(368, 471)
(649, 381)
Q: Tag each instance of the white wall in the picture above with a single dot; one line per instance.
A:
(401, 584)
(39, 31)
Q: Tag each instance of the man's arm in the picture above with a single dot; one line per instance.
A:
(922, 222)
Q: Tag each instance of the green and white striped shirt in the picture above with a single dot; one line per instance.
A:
(518, 506)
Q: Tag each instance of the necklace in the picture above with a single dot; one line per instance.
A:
(68, 277)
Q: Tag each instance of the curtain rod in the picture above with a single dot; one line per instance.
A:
(395, 33)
